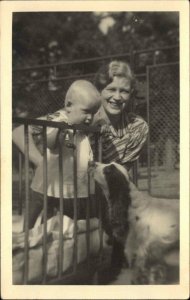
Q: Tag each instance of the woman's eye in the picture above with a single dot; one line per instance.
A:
(125, 92)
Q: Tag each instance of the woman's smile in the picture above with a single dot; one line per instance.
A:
(115, 104)
(116, 95)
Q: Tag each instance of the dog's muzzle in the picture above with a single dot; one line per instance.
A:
(96, 170)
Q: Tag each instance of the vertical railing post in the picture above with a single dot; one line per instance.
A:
(148, 120)
(75, 200)
(99, 200)
(26, 222)
(44, 204)
(20, 184)
(132, 108)
(88, 222)
(61, 246)
(135, 173)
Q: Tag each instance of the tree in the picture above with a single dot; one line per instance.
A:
(78, 34)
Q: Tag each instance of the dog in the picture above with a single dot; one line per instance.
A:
(147, 228)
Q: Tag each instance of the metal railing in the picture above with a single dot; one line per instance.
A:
(63, 126)
(131, 59)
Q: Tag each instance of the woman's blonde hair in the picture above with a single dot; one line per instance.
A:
(115, 68)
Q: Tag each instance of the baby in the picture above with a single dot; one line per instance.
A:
(81, 103)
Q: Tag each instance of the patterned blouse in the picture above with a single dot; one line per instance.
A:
(122, 145)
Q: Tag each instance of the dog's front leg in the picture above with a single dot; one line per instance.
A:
(140, 273)
(130, 248)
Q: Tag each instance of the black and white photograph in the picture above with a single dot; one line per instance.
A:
(96, 150)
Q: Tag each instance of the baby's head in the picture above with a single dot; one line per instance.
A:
(82, 102)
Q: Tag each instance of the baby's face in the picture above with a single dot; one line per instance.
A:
(81, 111)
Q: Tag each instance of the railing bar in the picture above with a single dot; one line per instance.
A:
(156, 49)
(163, 65)
(135, 174)
(94, 58)
(26, 222)
(96, 143)
(54, 79)
(20, 183)
(140, 75)
(62, 125)
(45, 204)
(75, 200)
(99, 200)
(88, 223)
(77, 61)
(148, 120)
(63, 78)
(100, 223)
(61, 247)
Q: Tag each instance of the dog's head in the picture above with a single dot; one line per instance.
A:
(114, 181)
(112, 178)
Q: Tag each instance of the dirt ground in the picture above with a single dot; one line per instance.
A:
(163, 184)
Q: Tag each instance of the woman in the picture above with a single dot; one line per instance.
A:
(124, 133)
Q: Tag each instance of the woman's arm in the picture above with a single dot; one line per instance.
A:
(18, 138)
(134, 147)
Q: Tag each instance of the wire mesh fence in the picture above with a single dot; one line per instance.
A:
(39, 98)
(37, 91)
(40, 90)
(163, 118)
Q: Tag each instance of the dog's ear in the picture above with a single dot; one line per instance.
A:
(117, 183)
(109, 169)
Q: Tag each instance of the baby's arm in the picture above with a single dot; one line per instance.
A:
(54, 134)
(18, 138)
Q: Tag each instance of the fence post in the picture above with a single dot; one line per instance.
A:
(148, 120)
(20, 183)
(135, 173)
(135, 167)
(27, 196)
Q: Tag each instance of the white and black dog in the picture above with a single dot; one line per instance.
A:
(146, 227)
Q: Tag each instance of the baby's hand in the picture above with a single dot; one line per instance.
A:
(68, 139)
(64, 138)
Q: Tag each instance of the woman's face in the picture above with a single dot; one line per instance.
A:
(116, 95)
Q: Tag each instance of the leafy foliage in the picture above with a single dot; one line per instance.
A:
(48, 37)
